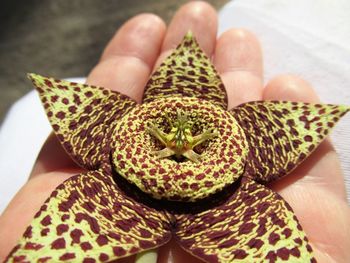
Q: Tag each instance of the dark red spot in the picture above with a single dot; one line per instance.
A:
(32, 246)
(271, 256)
(194, 186)
(283, 253)
(295, 252)
(101, 240)
(114, 236)
(261, 230)
(54, 98)
(184, 185)
(85, 246)
(273, 238)
(287, 232)
(67, 256)
(107, 214)
(298, 240)
(88, 94)
(48, 83)
(65, 101)
(322, 111)
(119, 251)
(145, 233)
(125, 225)
(240, 254)
(308, 138)
(330, 124)
(44, 259)
(145, 244)
(76, 234)
(55, 127)
(246, 228)
(88, 109)
(255, 243)
(60, 229)
(200, 176)
(308, 248)
(89, 206)
(208, 184)
(59, 243)
(65, 217)
(60, 115)
(46, 220)
(218, 235)
(277, 221)
(44, 232)
(28, 232)
(228, 243)
(103, 257)
(262, 207)
(72, 109)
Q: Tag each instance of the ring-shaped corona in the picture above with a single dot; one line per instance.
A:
(222, 157)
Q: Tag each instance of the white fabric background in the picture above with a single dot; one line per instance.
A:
(307, 38)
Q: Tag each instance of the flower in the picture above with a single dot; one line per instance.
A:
(180, 165)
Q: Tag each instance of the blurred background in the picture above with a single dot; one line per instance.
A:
(62, 38)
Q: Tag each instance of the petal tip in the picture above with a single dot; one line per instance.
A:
(33, 76)
(344, 108)
(189, 34)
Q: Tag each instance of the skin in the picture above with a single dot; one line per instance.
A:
(315, 189)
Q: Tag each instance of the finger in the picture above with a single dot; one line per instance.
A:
(290, 87)
(198, 17)
(322, 167)
(52, 157)
(129, 57)
(173, 253)
(238, 58)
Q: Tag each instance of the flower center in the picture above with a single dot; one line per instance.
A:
(180, 141)
(179, 148)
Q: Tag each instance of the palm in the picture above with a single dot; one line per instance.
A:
(315, 190)
(318, 197)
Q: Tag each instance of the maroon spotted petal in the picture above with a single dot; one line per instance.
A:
(88, 219)
(282, 134)
(82, 116)
(187, 72)
(254, 225)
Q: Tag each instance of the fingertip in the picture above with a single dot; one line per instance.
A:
(237, 49)
(290, 87)
(238, 58)
(129, 57)
(134, 38)
(198, 17)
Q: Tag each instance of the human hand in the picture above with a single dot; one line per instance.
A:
(315, 190)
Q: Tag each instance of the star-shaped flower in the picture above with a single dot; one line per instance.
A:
(180, 165)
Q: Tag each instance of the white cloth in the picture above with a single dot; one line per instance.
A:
(308, 38)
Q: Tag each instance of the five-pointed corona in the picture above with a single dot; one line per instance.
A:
(180, 140)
